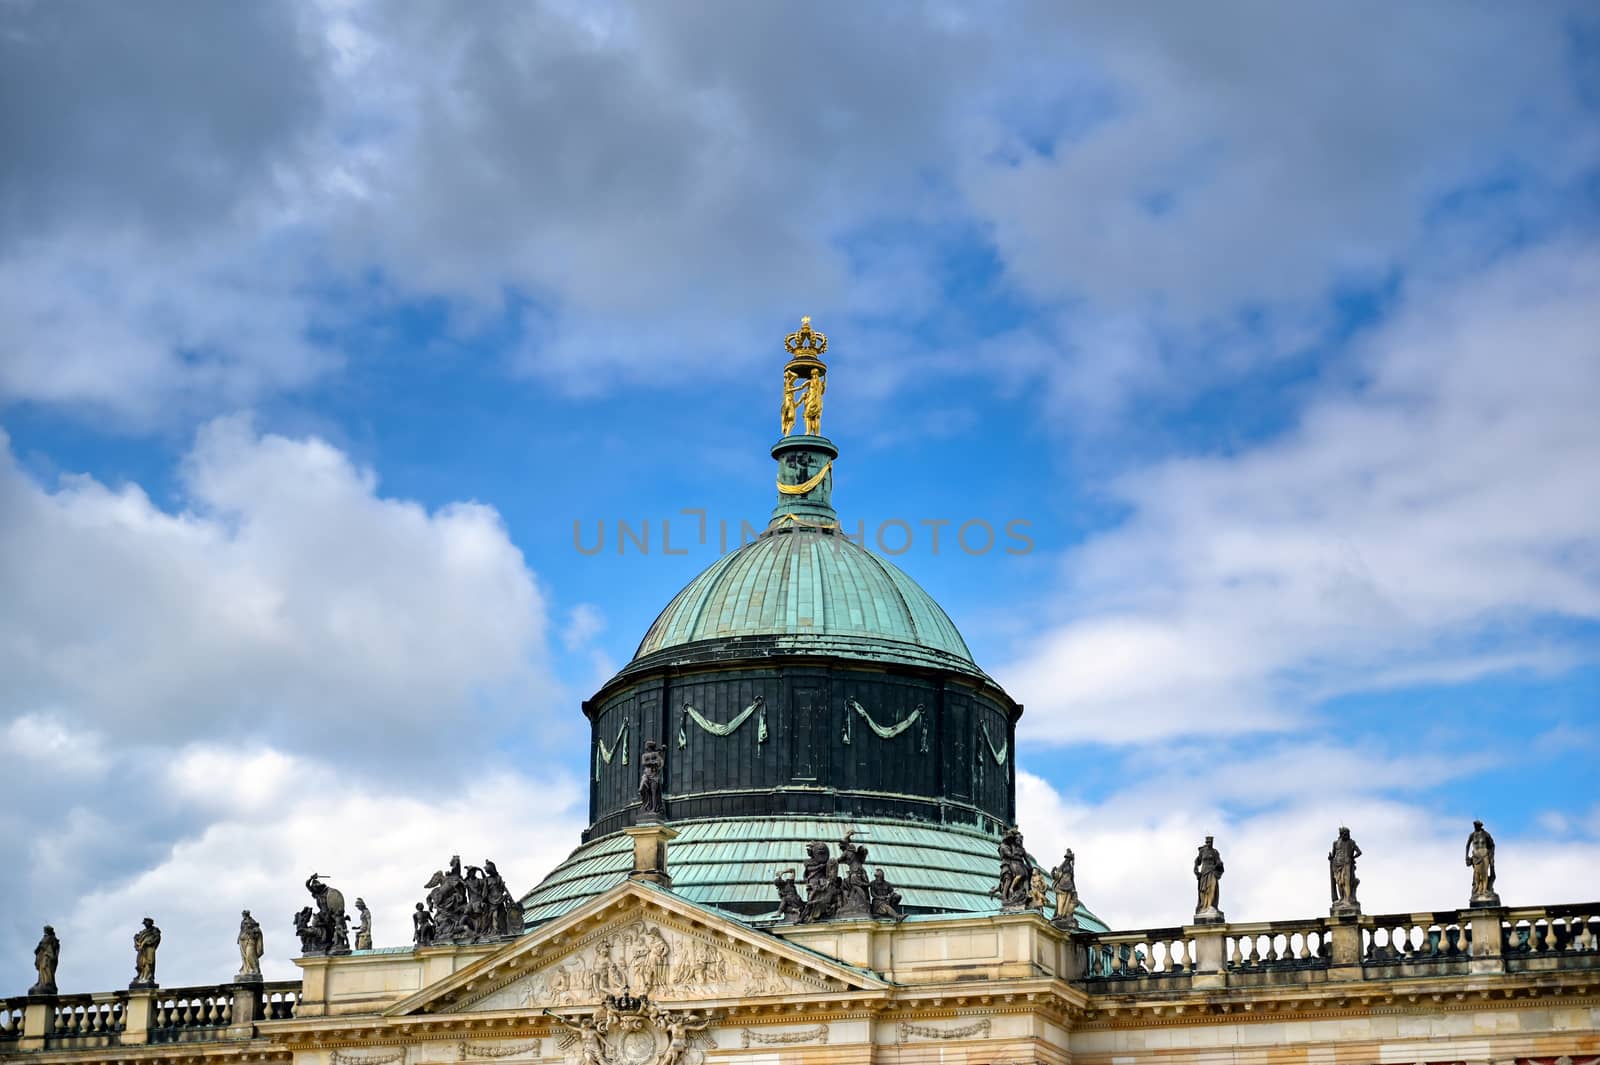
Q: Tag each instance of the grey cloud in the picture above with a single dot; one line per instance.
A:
(163, 117)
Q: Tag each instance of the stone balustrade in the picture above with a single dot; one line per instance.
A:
(1374, 947)
(1155, 952)
(279, 1000)
(1277, 945)
(182, 1014)
(94, 1019)
(1415, 939)
(1538, 936)
(132, 1018)
(11, 1013)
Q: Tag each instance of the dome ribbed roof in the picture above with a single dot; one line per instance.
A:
(821, 591)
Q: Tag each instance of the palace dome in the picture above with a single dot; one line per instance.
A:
(815, 591)
(800, 688)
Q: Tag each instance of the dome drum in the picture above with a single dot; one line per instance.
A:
(807, 735)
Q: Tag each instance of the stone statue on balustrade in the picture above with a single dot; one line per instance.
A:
(251, 944)
(855, 896)
(885, 899)
(363, 926)
(824, 889)
(790, 904)
(652, 761)
(1064, 879)
(332, 924)
(1480, 859)
(1015, 871)
(46, 956)
(1208, 878)
(1342, 879)
(422, 927)
(145, 942)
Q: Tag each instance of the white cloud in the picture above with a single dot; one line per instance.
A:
(1135, 851)
(286, 599)
(287, 671)
(633, 175)
(1411, 526)
(274, 818)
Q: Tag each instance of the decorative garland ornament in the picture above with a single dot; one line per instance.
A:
(603, 754)
(758, 706)
(998, 753)
(927, 1031)
(817, 1034)
(888, 732)
(340, 1057)
(804, 486)
(471, 1050)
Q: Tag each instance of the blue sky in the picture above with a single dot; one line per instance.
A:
(1275, 325)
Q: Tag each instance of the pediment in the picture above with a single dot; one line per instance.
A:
(639, 940)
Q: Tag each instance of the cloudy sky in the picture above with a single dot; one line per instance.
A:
(329, 332)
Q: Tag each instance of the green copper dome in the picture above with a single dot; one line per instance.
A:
(819, 591)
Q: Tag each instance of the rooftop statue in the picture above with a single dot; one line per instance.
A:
(331, 923)
(250, 947)
(823, 888)
(1480, 859)
(1342, 874)
(854, 898)
(422, 926)
(1015, 871)
(45, 958)
(790, 904)
(466, 905)
(885, 899)
(652, 761)
(1064, 879)
(145, 942)
(364, 926)
(1208, 879)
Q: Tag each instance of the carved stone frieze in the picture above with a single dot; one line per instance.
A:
(495, 1050)
(817, 1033)
(632, 1030)
(979, 1028)
(647, 959)
(344, 1057)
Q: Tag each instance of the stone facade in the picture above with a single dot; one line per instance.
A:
(1497, 985)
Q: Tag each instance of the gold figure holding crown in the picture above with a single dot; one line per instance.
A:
(804, 379)
(786, 412)
(813, 409)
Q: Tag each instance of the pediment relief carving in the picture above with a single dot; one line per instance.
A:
(663, 959)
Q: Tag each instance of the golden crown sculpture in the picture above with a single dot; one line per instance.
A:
(805, 342)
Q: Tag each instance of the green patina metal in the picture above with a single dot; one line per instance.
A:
(810, 585)
(729, 864)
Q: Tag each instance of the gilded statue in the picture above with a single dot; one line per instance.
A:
(1480, 859)
(815, 388)
(786, 412)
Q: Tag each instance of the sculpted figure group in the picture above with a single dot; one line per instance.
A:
(837, 887)
(466, 905)
(325, 929)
